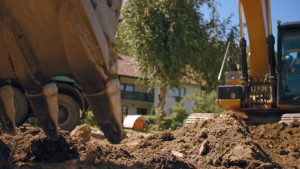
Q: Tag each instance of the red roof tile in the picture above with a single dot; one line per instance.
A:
(126, 66)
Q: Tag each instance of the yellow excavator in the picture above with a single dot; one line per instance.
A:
(42, 39)
(268, 84)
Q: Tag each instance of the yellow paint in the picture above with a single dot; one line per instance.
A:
(258, 59)
(234, 82)
(229, 104)
(289, 107)
(232, 106)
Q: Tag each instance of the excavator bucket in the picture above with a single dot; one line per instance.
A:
(43, 39)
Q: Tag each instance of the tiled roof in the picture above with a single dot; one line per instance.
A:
(126, 66)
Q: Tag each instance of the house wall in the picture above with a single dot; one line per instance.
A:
(132, 104)
(171, 101)
(133, 81)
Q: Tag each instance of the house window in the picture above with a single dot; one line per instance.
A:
(177, 92)
(141, 111)
(127, 87)
(125, 110)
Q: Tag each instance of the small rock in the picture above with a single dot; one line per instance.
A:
(266, 166)
(270, 145)
(82, 133)
(204, 148)
(177, 154)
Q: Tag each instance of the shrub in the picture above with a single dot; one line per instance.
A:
(204, 102)
(167, 123)
(151, 119)
(89, 119)
(178, 112)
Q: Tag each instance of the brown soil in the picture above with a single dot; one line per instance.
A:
(222, 142)
(32, 146)
(281, 141)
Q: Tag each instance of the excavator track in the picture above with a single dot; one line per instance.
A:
(252, 120)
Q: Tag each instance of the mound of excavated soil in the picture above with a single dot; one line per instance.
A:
(222, 142)
(32, 146)
(281, 141)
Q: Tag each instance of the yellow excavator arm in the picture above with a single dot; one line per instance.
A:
(256, 15)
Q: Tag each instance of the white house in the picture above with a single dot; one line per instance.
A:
(136, 99)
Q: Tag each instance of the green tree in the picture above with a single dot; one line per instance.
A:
(204, 102)
(167, 36)
(178, 114)
(209, 62)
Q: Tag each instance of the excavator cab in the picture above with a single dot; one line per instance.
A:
(289, 63)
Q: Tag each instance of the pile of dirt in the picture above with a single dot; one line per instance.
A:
(32, 146)
(281, 141)
(222, 142)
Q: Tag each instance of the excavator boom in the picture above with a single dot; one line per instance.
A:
(255, 12)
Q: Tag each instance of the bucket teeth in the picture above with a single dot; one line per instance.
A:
(7, 115)
(45, 107)
(107, 111)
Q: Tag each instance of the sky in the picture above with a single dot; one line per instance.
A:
(284, 10)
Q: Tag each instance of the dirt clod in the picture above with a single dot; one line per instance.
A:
(167, 136)
(82, 133)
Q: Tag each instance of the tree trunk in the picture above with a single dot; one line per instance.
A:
(160, 112)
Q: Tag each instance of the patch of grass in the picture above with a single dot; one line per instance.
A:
(89, 119)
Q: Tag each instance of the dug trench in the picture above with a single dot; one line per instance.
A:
(224, 141)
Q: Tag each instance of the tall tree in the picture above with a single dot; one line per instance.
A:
(166, 36)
